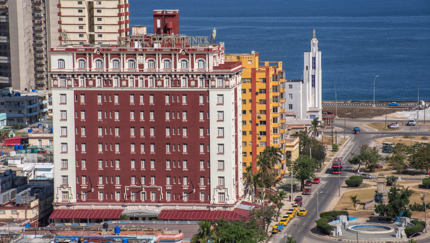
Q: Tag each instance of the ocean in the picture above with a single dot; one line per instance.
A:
(358, 39)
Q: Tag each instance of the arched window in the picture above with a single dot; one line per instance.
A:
(201, 64)
(61, 63)
(82, 63)
(167, 64)
(151, 64)
(131, 64)
(99, 63)
(115, 64)
(184, 64)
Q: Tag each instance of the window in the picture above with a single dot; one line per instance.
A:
(185, 180)
(202, 132)
(167, 164)
(82, 115)
(81, 27)
(142, 115)
(115, 64)
(262, 102)
(290, 106)
(64, 180)
(313, 81)
(81, 19)
(220, 132)
(262, 122)
(167, 82)
(202, 164)
(185, 148)
(243, 91)
(184, 132)
(116, 147)
(220, 148)
(202, 148)
(84, 164)
(117, 115)
(99, 63)
(220, 115)
(221, 181)
(185, 196)
(99, 27)
(117, 196)
(131, 115)
(117, 180)
(184, 64)
(313, 63)
(64, 148)
(221, 197)
(290, 96)
(220, 82)
(100, 182)
(152, 180)
(201, 64)
(133, 148)
(64, 164)
(184, 82)
(220, 164)
(151, 99)
(243, 112)
(99, 10)
(151, 64)
(201, 99)
(131, 64)
(184, 115)
(167, 147)
(262, 91)
(151, 132)
(201, 115)
(262, 133)
(115, 82)
(142, 132)
(168, 196)
(82, 63)
(116, 131)
(100, 163)
(201, 82)
(61, 63)
(167, 64)
(63, 132)
(152, 148)
(167, 131)
(153, 196)
(184, 99)
(83, 147)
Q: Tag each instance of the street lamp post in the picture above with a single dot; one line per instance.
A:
(317, 202)
(425, 213)
(335, 97)
(374, 90)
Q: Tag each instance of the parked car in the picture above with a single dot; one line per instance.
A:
(290, 214)
(411, 122)
(284, 221)
(366, 176)
(387, 144)
(378, 166)
(303, 212)
(298, 200)
(356, 130)
(316, 180)
(308, 183)
(296, 207)
(387, 150)
(393, 126)
(274, 229)
(393, 104)
(307, 191)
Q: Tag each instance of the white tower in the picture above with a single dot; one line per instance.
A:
(312, 82)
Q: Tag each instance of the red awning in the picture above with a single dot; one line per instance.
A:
(197, 215)
(12, 141)
(86, 214)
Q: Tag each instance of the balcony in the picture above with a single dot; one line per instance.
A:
(39, 43)
(38, 9)
(40, 76)
(40, 49)
(283, 110)
(11, 115)
(38, 28)
(40, 62)
(283, 121)
(40, 69)
(13, 107)
(37, 1)
(38, 35)
(283, 100)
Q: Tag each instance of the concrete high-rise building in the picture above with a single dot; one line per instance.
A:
(263, 111)
(92, 22)
(304, 97)
(152, 125)
(23, 44)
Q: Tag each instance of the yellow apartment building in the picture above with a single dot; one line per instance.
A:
(263, 111)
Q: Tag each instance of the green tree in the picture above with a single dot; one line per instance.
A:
(335, 148)
(304, 168)
(205, 232)
(264, 216)
(252, 182)
(398, 162)
(354, 200)
(290, 239)
(368, 156)
(274, 156)
(420, 159)
(277, 200)
(398, 200)
(238, 231)
(15, 126)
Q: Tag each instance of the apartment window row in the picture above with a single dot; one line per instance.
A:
(154, 196)
(134, 164)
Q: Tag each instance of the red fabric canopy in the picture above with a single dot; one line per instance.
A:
(197, 215)
(86, 214)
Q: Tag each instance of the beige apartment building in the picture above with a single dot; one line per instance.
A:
(93, 22)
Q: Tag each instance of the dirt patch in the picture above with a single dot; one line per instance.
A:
(364, 195)
(361, 112)
(342, 141)
(327, 160)
(407, 140)
(331, 154)
(360, 213)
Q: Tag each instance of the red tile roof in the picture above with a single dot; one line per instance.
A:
(86, 214)
(197, 215)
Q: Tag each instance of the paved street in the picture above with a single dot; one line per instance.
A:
(299, 227)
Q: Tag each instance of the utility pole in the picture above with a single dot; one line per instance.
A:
(332, 139)
(291, 199)
(344, 127)
(336, 137)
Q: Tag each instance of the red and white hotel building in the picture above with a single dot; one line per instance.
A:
(147, 126)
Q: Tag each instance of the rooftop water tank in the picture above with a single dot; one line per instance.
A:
(20, 147)
(16, 147)
(33, 90)
(117, 230)
(30, 130)
(40, 124)
(52, 129)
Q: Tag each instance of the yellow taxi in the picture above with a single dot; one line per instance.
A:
(284, 221)
(274, 229)
(296, 207)
(303, 212)
(290, 214)
(293, 210)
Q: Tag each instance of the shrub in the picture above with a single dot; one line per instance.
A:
(426, 182)
(322, 223)
(354, 181)
(406, 136)
(414, 229)
(335, 148)
(391, 180)
(415, 222)
(424, 138)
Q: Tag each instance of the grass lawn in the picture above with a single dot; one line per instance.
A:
(380, 126)
(364, 195)
(364, 185)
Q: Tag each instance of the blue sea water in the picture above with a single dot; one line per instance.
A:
(358, 39)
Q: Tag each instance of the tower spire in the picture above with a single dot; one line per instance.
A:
(314, 34)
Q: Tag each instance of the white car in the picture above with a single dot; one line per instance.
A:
(393, 126)
(412, 122)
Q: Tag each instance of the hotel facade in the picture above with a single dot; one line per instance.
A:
(155, 124)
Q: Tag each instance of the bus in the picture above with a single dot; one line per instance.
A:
(337, 166)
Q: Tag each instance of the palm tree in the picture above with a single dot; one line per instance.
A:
(264, 165)
(252, 181)
(205, 233)
(290, 239)
(354, 200)
(274, 157)
(315, 125)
